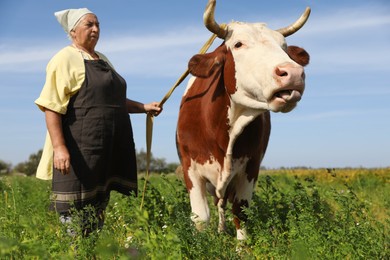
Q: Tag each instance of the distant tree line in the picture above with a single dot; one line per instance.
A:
(29, 167)
(157, 165)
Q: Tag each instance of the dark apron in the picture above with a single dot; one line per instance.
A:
(99, 138)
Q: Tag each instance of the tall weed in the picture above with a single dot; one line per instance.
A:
(305, 224)
(295, 214)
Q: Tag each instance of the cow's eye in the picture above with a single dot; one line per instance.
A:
(238, 45)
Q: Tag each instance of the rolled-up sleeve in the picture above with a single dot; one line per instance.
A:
(65, 73)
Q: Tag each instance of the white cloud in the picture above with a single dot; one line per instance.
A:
(349, 40)
(329, 37)
(163, 40)
(134, 54)
(348, 20)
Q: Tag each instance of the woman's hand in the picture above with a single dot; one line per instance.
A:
(153, 108)
(138, 107)
(61, 159)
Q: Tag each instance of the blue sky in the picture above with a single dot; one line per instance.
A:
(343, 119)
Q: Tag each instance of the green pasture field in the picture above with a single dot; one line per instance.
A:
(295, 214)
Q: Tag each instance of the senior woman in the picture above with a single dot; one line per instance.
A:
(89, 148)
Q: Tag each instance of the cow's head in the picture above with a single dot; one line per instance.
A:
(260, 70)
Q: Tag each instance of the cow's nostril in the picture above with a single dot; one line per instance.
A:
(281, 72)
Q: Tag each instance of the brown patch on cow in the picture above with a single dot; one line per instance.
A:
(230, 74)
(299, 55)
(188, 182)
(183, 177)
(202, 119)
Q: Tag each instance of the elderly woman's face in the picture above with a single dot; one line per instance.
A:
(86, 33)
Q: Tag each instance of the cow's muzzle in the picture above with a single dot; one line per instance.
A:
(289, 95)
(290, 82)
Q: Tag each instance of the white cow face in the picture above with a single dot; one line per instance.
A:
(266, 77)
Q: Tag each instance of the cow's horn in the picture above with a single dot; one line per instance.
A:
(209, 21)
(291, 29)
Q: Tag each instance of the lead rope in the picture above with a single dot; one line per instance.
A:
(150, 117)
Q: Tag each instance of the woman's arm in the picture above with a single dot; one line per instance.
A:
(137, 107)
(61, 157)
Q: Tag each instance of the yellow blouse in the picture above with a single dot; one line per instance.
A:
(65, 74)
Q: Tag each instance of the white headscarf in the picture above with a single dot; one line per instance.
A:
(68, 18)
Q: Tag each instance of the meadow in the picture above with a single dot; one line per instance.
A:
(295, 214)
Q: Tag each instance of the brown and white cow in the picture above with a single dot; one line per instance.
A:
(224, 120)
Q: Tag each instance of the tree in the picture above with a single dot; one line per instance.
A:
(171, 167)
(5, 168)
(29, 167)
(157, 165)
(141, 161)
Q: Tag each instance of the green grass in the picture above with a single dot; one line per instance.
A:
(295, 214)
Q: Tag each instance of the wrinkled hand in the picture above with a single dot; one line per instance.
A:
(61, 159)
(153, 108)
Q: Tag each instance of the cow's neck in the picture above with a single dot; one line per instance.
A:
(239, 117)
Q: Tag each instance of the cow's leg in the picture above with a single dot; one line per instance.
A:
(225, 177)
(241, 200)
(200, 214)
(221, 213)
(238, 218)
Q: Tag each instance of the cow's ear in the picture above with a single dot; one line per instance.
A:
(299, 55)
(204, 65)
